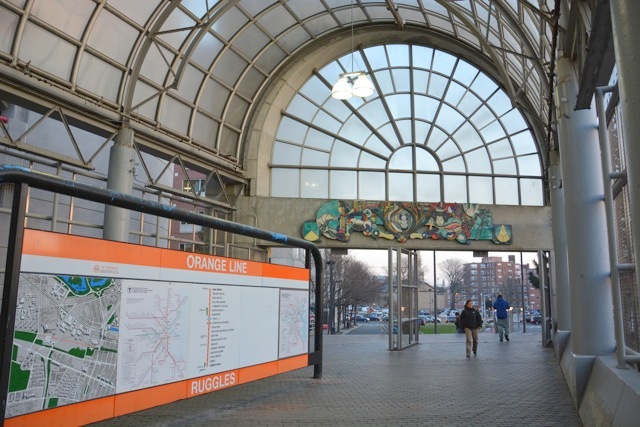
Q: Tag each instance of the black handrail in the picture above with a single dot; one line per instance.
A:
(19, 175)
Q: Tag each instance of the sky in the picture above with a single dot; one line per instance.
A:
(377, 259)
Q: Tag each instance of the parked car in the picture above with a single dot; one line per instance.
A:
(536, 319)
(374, 317)
(361, 318)
(421, 321)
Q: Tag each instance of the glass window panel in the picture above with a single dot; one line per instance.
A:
(336, 107)
(478, 161)
(302, 108)
(402, 159)
(484, 86)
(506, 191)
(437, 85)
(344, 155)
(227, 27)
(530, 165)
(374, 144)
(455, 164)
(286, 154)
(443, 62)
(315, 90)
(314, 184)
(251, 41)
(294, 38)
(483, 117)
(250, 83)
(468, 104)
(355, 131)
(481, 190)
(531, 190)
(402, 80)
(229, 67)
(449, 119)
(113, 37)
(425, 107)
(39, 44)
(270, 58)
(465, 73)
(205, 129)
(374, 112)
(377, 57)
(500, 149)
(190, 83)
(422, 57)
(389, 134)
(59, 15)
(277, 20)
(371, 186)
(493, 132)
(367, 161)
(455, 189)
(455, 92)
(195, 6)
(513, 121)
(425, 161)
(505, 166)
(383, 77)
(175, 114)
(153, 67)
(314, 158)
(420, 81)
(177, 19)
(406, 133)
(317, 139)
(398, 55)
(138, 11)
(422, 130)
(327, 122)
(436, 138)
(428, 188)
(401, 186)
(344, 185)
(523, 143)
(214, 98)
(500, 103)
(291, 130)
(399, 105)
(208, 48)
(285, 182)
(8, 25)
(145, 92)
(467, 137)
(99, 77)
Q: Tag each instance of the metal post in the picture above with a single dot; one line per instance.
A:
(120, 178)
(524, 327)
(331, 319)
(435, 296)
(10, 290)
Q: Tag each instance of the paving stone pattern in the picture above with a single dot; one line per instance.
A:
(433, 383)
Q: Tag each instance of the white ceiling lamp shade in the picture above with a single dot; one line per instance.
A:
(342, 89)
(352, 83)
(362, 87)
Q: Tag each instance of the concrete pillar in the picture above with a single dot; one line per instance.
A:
(585, 221)
(560, 293)
(120, 179)
(625, 15)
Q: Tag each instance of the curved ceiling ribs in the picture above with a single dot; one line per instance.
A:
(170, 87)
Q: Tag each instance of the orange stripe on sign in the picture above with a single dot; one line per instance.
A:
(149, 397)
(82, 413)
(285, 272)
(257, 372)
(293, 363)
(208, 263)
(83, 248)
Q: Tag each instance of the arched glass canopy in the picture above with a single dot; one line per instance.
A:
(437, 129)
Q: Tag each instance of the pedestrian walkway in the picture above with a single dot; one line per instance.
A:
(518, 383)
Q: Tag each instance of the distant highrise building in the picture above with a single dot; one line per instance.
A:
(491, 276)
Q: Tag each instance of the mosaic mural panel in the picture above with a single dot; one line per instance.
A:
(400, 221)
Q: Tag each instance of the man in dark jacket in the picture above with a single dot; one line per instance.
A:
(501, 306)
(471, 320)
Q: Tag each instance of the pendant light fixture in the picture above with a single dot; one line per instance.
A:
(354, 82)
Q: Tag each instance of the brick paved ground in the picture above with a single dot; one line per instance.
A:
(431, 384)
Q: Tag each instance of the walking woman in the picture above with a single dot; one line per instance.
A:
(471, 320)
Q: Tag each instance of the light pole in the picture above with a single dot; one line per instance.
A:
(330, 329)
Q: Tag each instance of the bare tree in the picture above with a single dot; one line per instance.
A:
(453, 271)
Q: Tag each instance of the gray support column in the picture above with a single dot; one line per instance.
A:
(120, 179)
(625, 16)
(588, 255)
(560, 294)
